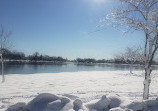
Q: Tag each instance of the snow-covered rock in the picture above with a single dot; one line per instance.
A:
(41, 101)
(53, 106)
(17, 107)
(78, 105)
(151, 105)
(136, 106)
(151, 102)
(100, 105)
(62, 104)
(64, 100)
(68, 107)
(115, 101)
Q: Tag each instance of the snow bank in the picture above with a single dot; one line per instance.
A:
(50, 102)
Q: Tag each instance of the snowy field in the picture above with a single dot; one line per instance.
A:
(87, 86)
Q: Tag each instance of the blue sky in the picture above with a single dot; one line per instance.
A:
(64, 28)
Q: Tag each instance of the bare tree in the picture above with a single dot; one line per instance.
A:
(3, 45)
(141, 15)
(130, 56)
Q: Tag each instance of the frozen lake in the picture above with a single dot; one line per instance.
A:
(66, 67)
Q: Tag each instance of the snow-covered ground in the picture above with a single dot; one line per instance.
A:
(87, 86)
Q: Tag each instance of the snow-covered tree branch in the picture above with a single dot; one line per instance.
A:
(141, 15)
(130, 56)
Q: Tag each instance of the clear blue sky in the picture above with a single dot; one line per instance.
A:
(64, 28)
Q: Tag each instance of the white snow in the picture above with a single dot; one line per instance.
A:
(100, 105)
(87, 87)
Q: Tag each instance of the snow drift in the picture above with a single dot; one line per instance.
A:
(50, 102)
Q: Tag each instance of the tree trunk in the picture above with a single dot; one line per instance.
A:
(148, 71)
(131, 65)
(2, 68)
(147, 83)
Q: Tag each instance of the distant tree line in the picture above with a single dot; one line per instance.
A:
(35, 57)
(39, 57)
(115, 60)
(13, 55)
(91, 60)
